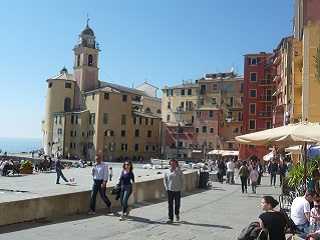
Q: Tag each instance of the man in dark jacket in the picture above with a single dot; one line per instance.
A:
(273, 169)
(282, 171)
(59, 168)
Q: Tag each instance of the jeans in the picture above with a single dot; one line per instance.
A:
(254, 187)
(95, 189)
(244, 186)
(230, 177)
(273, 178)
(60, 174)
(303, 230)
(125, 193)
(282, 176)
(176, 197)
(259, 179)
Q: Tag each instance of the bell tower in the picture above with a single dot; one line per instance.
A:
(86, 53)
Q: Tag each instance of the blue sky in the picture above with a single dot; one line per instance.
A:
(163, 41)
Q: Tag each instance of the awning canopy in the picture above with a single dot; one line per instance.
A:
(196, 151)
(292, 134)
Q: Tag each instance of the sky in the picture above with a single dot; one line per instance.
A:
(161, 41)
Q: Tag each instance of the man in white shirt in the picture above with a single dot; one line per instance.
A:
(300, 212)
(100, 179)
(230, 171)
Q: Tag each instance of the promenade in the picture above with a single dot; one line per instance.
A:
(14, 188)
(218, 213)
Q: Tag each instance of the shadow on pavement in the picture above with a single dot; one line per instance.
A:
(149, 221)
(50, 221)
(206, 225)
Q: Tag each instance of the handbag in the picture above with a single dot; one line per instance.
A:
(116, 189)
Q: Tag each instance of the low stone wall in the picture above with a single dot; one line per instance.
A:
(146, 189)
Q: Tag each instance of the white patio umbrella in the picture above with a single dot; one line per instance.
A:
(303, 133)
(289, 135)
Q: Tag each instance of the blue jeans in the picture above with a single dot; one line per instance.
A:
(95, 189)
(125, 193)
(303, 230)
(60, 174)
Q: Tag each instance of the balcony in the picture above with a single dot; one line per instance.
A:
(265, 114)
(234, 106)
(276, 78)
(266, 82)
(265, 98)
(135, 102)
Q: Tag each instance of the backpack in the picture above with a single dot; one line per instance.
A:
(254, 232)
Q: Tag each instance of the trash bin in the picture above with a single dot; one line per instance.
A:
(203, 179)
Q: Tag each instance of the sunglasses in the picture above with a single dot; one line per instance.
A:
(317, 206)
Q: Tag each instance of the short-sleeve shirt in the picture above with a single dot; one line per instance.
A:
(275, 223)
(314, 215)
(299, 207)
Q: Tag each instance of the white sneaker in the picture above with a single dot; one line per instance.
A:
(122, 218)
(91, 212)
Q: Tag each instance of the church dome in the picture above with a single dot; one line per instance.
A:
(87, 31)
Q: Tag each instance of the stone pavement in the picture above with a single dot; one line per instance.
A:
(14, 188)
(219, 213)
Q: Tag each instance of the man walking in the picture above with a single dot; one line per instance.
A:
(173, 183)
(59, 168)
(273, 169)
(230, 171)
(282, 171)
(100, 179)
(244, 174)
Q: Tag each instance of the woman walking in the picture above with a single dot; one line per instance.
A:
(126, 180)
(254, 175)
(274, 221)
(173, 183)
(244, 174)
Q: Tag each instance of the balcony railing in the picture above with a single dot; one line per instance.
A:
(266, 98)
(266, 82)
(265, 114)
(135, 102)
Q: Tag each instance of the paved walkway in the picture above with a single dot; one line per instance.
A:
(219, 213)
(14, 188)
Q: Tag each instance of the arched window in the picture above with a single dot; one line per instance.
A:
(90, 60)
(159, 111)
(148, 110)
(67, 104)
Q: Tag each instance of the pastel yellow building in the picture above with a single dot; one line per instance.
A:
(296, 97)
(310, 81)
(85, 115)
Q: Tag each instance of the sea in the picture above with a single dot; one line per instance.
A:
(19, 145)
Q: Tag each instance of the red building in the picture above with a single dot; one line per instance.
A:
(258, 90)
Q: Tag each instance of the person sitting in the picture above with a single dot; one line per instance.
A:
(314, 232)
(274, 221)
(300, 212)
